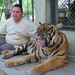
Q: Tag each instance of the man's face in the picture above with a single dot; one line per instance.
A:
(16, 14)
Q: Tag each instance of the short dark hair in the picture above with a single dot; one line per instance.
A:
(18, 5)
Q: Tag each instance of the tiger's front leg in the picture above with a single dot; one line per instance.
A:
(25, 59)
(54, 63)
(34, 57)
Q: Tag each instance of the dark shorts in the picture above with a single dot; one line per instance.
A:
(4, 45)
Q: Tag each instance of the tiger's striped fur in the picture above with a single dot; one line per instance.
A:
(55, 49)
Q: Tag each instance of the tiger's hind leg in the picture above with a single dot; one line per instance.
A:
(8, 53)
(18, 50)
(54, 63)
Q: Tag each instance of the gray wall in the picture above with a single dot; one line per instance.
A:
(42, 11)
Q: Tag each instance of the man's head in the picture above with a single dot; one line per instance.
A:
(17, 12)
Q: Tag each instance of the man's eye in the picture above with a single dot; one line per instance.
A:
(17, 12)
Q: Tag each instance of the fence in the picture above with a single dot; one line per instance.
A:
(66, 12)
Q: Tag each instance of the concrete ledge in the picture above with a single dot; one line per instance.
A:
(71, 40)
(25, 69)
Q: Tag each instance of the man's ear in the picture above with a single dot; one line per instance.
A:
(22, 14)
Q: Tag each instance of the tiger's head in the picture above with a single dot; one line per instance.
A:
(48, 33)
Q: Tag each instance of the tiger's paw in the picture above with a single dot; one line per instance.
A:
(11, 63)
(38, 70)
(6, 54)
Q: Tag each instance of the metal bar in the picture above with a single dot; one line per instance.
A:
(71, 28)
(32, 10)
(69, 12)
(20, 2)
(53, 11)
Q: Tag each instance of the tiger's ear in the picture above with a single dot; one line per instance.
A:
(39, 23)
(59, 26)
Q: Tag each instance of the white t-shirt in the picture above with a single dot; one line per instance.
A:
(18, 33)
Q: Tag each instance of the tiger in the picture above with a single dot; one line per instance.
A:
(54, 50)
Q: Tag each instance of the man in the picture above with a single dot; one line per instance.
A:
(18, 30)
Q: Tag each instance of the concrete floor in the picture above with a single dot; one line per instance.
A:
(2, 72)
(26, 68)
